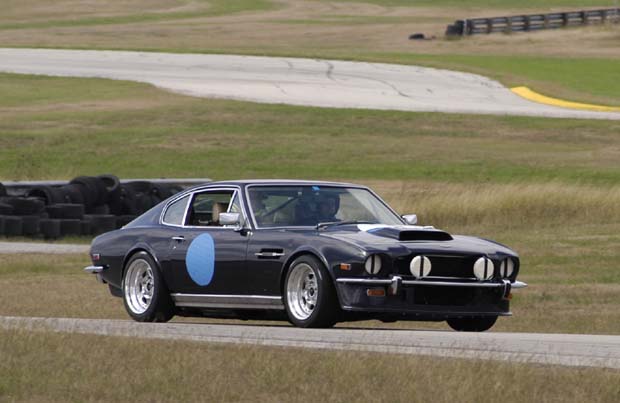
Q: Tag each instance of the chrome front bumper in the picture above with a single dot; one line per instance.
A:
(396, 282)
(96, 270)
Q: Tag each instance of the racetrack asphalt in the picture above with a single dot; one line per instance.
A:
(40, 247)
(556, 349)
(294, 81)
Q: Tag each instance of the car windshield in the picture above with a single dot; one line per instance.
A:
(296, 206)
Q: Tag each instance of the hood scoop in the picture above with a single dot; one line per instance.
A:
(411, 234)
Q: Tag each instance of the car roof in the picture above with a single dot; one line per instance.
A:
(289, 182)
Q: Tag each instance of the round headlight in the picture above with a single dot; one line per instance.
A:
(373, 264)
(484, 268)
(420, 266)
(507, 268)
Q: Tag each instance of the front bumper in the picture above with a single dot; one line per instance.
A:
(96, 270)
(435, 297)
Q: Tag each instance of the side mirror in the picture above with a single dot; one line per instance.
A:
(230, 219)
(411, 219)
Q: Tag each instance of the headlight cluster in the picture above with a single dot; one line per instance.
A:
(484, 268)
(420, 266)
(372, 265)
(507, 268)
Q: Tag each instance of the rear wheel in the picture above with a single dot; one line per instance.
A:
(310, 297)
(145, 296)
(472, 324)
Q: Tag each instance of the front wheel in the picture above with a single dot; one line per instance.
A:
(310, 297)
(472, 324)
(145, 295)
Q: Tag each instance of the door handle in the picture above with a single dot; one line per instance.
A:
(269, 254)
(178, 238)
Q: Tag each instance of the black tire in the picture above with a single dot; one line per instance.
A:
(101, 223)
(307, 272)
(1, 225)
(66, 211)
(48, 194)
(6, 209)
(70, 227)
(25, 205)
(127, 203)
(112, 186)
(49, 228)
(12, 226)
(159, 308)
(2, 190)
(30, 225)
(93, 189)
(162, 191)
(141, 186)
(72, 193)
(479, 324)
(86, 227)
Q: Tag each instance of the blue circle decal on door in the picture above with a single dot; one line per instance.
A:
(200, 259)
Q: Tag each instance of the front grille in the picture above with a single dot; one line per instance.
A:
(442, 265)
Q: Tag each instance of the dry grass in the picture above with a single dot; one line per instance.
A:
(505, 206)
(45, 367)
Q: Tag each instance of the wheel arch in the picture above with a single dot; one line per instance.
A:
(311, 252)
(140, 247)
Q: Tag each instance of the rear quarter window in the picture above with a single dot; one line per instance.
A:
(176, 211)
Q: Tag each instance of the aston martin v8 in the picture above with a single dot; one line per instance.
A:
(315, 253)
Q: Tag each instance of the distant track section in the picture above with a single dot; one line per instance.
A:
(557, 349)
(310, 82)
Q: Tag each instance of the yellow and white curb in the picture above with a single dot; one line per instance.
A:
(542, 99)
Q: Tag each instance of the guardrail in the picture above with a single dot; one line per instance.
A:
(532, 22)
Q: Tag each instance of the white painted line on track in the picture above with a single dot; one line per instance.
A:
(557, 349)
(295, 81)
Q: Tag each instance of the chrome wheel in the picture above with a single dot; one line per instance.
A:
(302, 291)
(139, 286)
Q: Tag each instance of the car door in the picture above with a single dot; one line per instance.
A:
(206, 257)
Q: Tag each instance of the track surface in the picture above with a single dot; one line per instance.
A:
(38, 247)
(323, 83)
(557, 349)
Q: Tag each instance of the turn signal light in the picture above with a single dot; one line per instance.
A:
(345, 266)
(375, 292)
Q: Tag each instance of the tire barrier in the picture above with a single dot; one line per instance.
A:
(84, 206)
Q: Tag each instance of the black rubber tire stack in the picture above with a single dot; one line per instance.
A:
(87, 205)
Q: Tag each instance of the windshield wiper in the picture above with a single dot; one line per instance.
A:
(334, 223)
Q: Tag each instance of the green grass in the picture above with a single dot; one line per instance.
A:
(135, 130)
(46, 367)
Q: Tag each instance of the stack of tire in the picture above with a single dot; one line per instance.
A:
(87, 205)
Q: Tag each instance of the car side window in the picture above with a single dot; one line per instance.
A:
(175, 212)
(205, 208)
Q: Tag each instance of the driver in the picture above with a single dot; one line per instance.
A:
(258, 206)
(328, 207)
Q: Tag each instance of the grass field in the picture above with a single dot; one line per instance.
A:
(579, 64)
(95, 368)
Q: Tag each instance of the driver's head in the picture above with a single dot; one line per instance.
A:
(257, 201)
(328, 205)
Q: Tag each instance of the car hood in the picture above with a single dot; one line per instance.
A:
(403, 239)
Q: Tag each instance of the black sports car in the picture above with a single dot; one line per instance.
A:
(313, 252)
